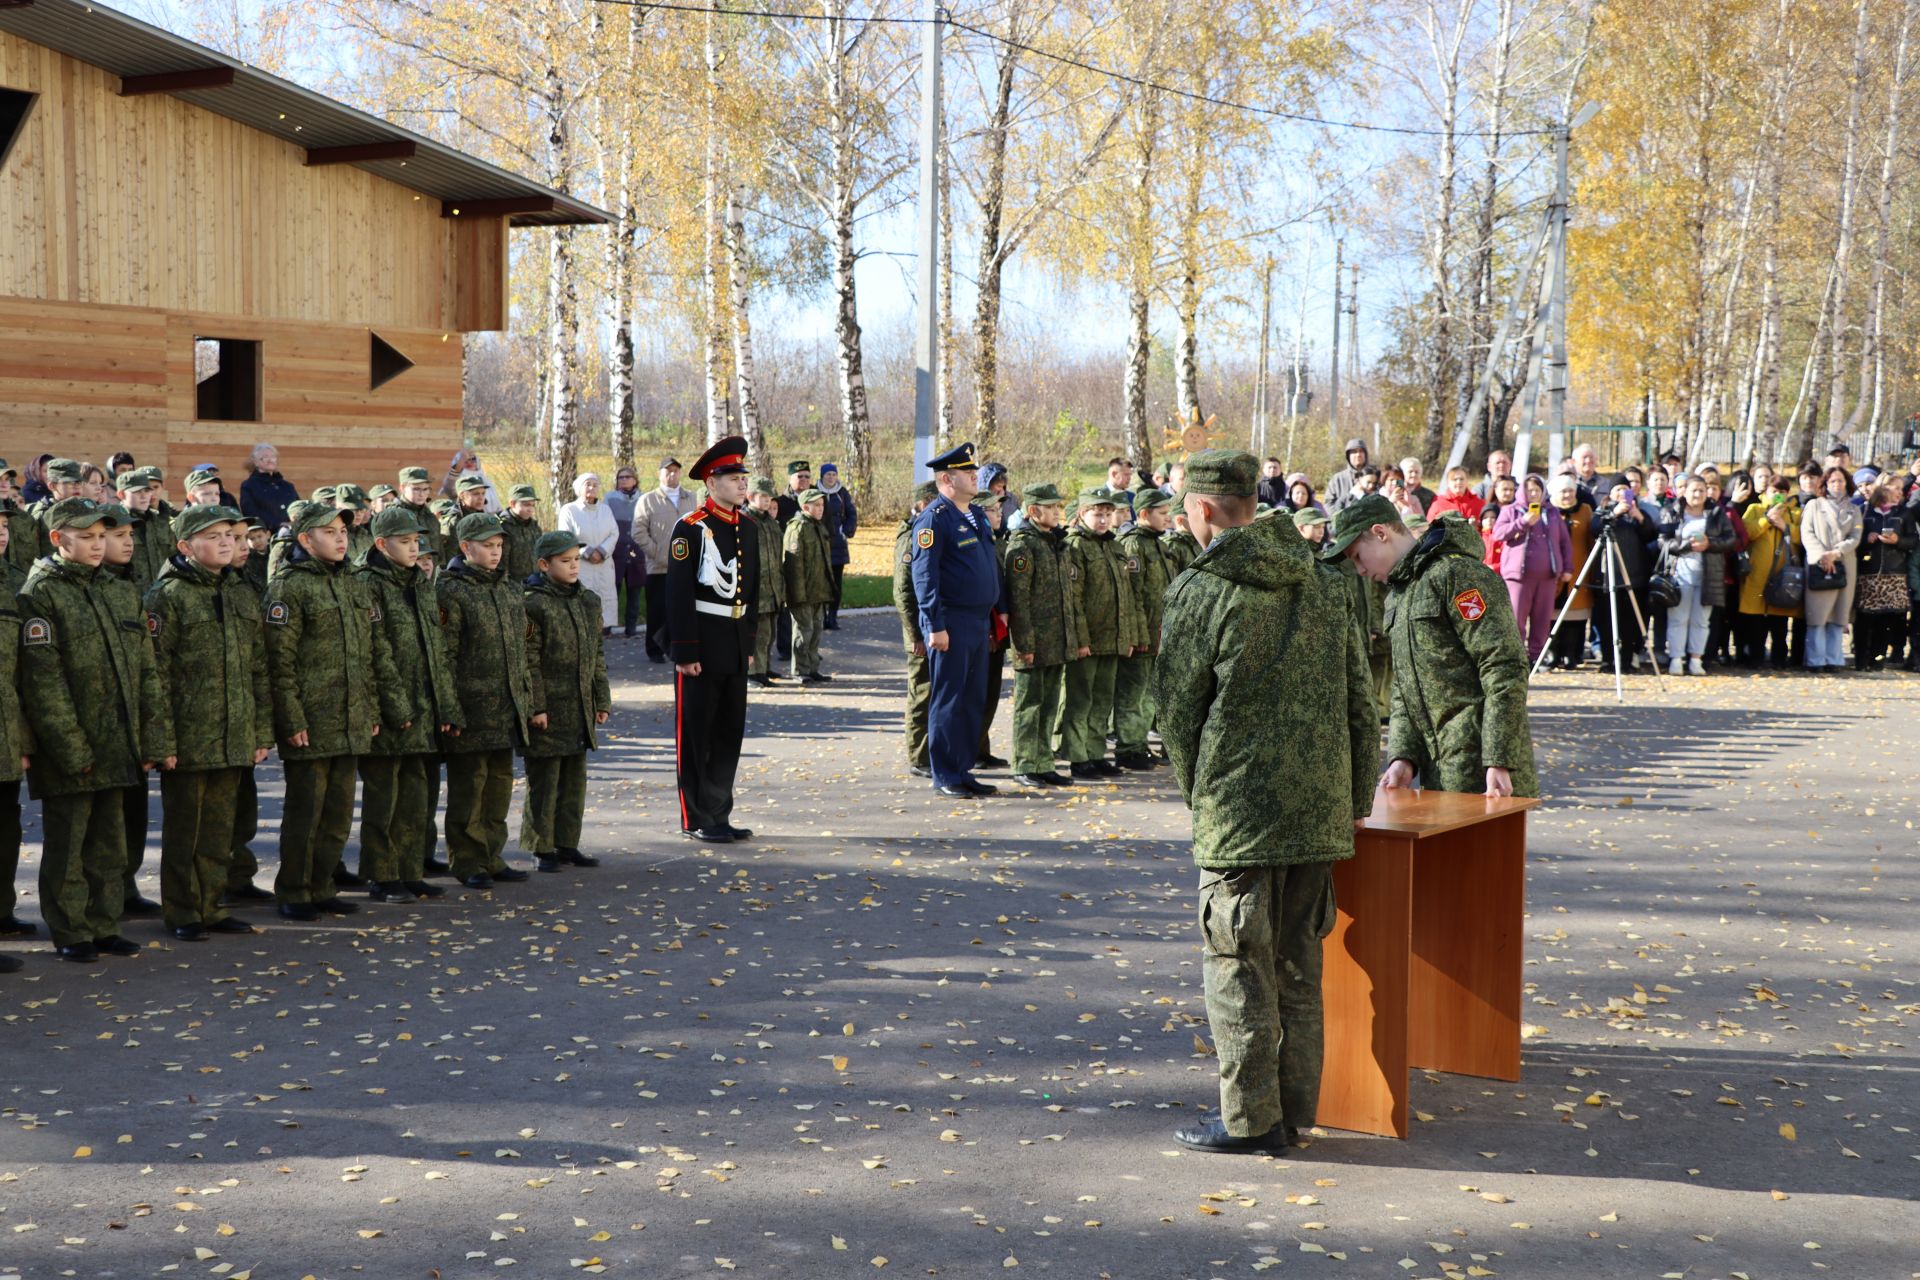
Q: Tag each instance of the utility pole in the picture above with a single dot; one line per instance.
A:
(926, 337)
(1353, 338)
(1261, 390)
(1556, 369)
(1333, 385)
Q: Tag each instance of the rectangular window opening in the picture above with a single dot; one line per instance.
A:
(226, 375)
(15, 106)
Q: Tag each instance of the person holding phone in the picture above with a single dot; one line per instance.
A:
(1773, 532)
(1536, 560)
(1698, 538)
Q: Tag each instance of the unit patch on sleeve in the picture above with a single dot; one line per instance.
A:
(278, 613)
(925, 539)
(37, 631)
(1471, 604)
(679, 550)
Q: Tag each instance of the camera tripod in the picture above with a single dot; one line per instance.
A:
(1614, 567)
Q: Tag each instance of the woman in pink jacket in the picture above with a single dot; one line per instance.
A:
(1537, 557)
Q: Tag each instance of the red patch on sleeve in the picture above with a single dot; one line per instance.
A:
(1471, 605)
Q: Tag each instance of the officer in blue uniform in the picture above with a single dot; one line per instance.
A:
(956, 580)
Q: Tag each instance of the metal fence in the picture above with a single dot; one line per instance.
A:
(1620, 446)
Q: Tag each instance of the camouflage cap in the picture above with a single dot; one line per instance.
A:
(77, 513)
(926, 491)
(1306, 516)
(118, 517)
(1097, 496)
(469, 482)
(809, 495)
(131, 478)
(763, 484)
(555, 542)
(197, 478)
(202, 518)
(478, 526)
(795, 467)
(522, 493)
(6, 468)
(1148, 499)
(413, 475)
(350, 495)
(442, 507)
(153, 476)
(1355, 519)
(1223, 473)
(394, 522)
(1416, 525)
(380, 491)
(327, 493)
(305, 517)
(64, 471)
(1042, 495)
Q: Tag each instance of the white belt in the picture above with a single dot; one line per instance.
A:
(735, 611)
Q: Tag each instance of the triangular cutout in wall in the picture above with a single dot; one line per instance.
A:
(387, 363)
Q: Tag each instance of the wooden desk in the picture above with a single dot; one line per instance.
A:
(1423, 967)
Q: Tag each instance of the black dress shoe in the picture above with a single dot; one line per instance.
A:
(511, 875)
(345, 879)
(79, 952)
(1138, 763)
(478, 880)
(774, 677)
(139, 906)
(115, 945)
(1212, 1135)
(919, 771)
(390, 891)
(228, 924)
(421, 889)
(1107, 768)
(1084, 769)
(248, 892)
(1034, 779)
(15, 927)
(575, 858)
(816, 677)
(739, 833)
(762, 681)
(435, 867)
(982, 788)
(190, 932)
(658, 657)
(960, 791)
(11, 964)
(336, 907)
(1056, 779)
(299, 911)
(709, 835)
(989, 761)
(543, 862)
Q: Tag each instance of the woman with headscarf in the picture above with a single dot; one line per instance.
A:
(589, 520)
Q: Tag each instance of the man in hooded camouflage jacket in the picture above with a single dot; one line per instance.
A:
(395, 811)
(568, 669)
(213, 662)
(333, 688)
(1258, 641)
(1039, 630)
(1459, 717)
(1106, 626)
(484, 619)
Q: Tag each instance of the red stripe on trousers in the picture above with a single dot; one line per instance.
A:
(679, 703)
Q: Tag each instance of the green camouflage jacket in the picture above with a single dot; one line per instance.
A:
(254, 574)
(904, 602)
(331, 668)
(407, 612)
(1103, 610)
(23, 536)
(89, 688)
(1154, 573)
(1459, 668)
(519, 562)
(278, 550)
(359, 541)
(213, 663)
(806, 562)
(1037, 621)
(773, 576)
(1182, 549)
(42, 536)
(1265, 702)
(153, 546)
(567, 665)
(484, 619)
(15, 738)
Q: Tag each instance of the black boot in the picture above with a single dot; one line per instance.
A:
(1212, 1135)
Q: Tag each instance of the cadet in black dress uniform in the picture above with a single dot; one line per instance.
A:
(713, 584)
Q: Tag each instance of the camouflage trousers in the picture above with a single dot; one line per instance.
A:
(315, 821)
(1089, 705)
(1036, 706)
(1261, 929)
(767, 624)
(556, 803)
(919, 698)
(82, 865)
(9, 844)
(133, 825)
(196, 843)
(430, 832)
(996, 684)
(393, 815)
(242, 867)
(807, 621)
(1382, 667)
(479, 793)
(1132, 704)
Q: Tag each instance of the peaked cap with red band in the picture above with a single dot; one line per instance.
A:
(724, 457)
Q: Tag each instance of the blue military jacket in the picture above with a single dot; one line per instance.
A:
(954, 564)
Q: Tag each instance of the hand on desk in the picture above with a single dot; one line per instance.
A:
(1499, 782)
(1399, 775)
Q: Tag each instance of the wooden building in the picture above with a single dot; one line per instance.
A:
(198, 256)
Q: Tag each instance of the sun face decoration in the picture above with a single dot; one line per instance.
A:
(1192, 435)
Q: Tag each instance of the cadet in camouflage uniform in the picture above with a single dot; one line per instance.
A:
(1037, 628)
(93, 701)
(1133, 710)
(523, 530)
(116, 582)
(1459, 717)
(152, 532)
(396, 816)
(470, 496)
(64, 480)
(333, 687)
(990, 509)
(23, 531)
(568, 670)
(1180, 546)
(13, 739)
(245, 591)
(1258, 642)
(919, 676)
(415, 493)
(806, 565)
(484, 619)
(773, 578)
(1106, 626)
(213, 662)
(357, 509)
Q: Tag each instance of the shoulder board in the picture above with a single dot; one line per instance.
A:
(694, 517)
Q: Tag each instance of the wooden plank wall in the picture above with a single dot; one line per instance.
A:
(150, 202)
(84, 381)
